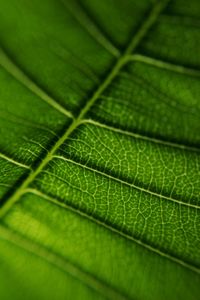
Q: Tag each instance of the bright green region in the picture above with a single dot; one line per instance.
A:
(124, 269)
(155, 166)
(165, 224)
(39, 279)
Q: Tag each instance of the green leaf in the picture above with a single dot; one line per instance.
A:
(99, 149)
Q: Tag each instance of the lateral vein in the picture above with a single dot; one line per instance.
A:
(164, 65)
(18, 74)
(14, 161)
(84, 20)
(139, 136)
(125, 183)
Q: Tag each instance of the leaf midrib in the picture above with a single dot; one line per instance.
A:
(147, 24)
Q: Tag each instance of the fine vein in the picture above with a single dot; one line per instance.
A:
(140, 136)
(113, 229)
(123, 182)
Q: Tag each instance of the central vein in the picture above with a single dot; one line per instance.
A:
(123, 59)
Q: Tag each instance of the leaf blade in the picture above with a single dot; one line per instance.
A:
(99, 195)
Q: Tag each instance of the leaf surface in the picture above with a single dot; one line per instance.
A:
(99, 149)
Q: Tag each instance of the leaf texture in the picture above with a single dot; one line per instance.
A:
(99, 149)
